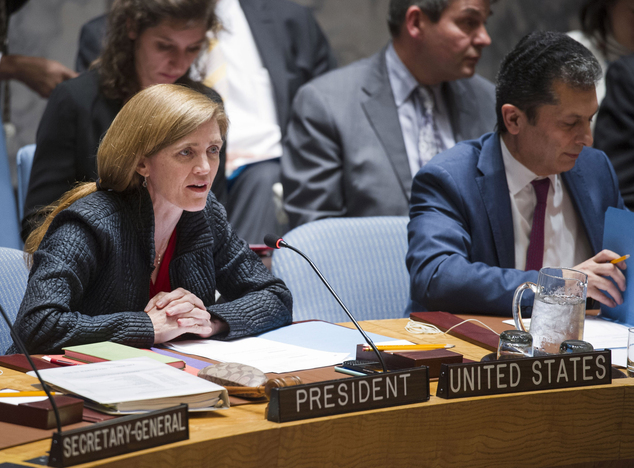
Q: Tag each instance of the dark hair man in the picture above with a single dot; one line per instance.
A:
(359, 134)
(476, 232)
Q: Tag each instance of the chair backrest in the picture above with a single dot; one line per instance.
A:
(13, 277)
(362, 258)
(24, 163)
(9, 224)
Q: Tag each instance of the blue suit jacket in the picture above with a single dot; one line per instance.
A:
(461, 254)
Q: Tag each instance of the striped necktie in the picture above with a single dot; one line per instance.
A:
(429, 141)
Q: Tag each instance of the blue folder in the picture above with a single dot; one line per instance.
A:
(618, 236)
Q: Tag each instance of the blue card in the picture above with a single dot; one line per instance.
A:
(618, 236)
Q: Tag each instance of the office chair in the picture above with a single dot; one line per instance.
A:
(9, 224)
(362, 258)
(13, 277)
(24, 163)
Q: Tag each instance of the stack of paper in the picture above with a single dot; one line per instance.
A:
(604, 334)
(300, 346)
(136, 385)
(266, 355)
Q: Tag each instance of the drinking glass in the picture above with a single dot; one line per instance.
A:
(559, 308)
(515, 344)
(575, 346)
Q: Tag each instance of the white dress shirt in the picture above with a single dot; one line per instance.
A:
(403, 86)
(565, 240)
(254, 132)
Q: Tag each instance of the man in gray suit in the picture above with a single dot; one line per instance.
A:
(358, 135)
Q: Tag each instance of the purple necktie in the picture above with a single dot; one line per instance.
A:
(535, 252)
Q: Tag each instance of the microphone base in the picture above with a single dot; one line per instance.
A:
(395, 360)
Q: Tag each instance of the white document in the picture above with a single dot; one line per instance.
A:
(604, 334)
(265, 355)
(137, 384)
(300, 346)
(619, 357)
(324, 336)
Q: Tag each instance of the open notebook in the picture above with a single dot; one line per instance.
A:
(135, 385)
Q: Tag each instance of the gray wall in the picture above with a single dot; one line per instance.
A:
(358, 28)
(355, 28)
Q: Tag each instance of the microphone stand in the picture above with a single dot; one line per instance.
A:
(20, 345)
(282, 243)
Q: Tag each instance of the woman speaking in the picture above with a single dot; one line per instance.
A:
(136, 257)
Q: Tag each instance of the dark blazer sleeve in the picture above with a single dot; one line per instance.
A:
(614, 132)
(445, 223)
(257, 301)
(68, 261)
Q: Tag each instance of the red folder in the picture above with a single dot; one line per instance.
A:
(467, 331)
(40, 414)
(19, 363)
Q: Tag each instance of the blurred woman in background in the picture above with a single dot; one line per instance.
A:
(607, 30)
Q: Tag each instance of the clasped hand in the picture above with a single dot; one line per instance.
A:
(600, 271)
(179, 312)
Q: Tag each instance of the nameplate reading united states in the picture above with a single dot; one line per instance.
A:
(525, 375)
(381, 390)
(117, 436)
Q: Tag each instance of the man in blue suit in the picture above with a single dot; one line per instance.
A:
(473, 206)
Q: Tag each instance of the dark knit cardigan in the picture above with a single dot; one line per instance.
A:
(90, 279)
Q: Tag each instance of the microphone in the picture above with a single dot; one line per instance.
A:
(277, 242)
(22, 348)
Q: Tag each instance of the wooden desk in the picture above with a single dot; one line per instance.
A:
(584, 427)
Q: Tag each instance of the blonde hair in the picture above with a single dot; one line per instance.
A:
(153, 119)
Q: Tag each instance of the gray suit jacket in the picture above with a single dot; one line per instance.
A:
(344, 150)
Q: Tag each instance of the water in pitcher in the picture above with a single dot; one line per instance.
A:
(556, 318)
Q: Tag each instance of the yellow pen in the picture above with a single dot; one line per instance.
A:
(24, 394)
(419, 347)
(620, 259)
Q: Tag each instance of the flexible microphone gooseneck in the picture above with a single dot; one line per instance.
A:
(277, 242)
(20, 345)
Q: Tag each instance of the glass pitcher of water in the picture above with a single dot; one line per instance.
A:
(559, 308)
